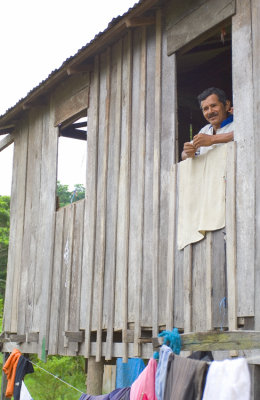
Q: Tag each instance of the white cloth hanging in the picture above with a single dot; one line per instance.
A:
(228, 380)
(24, 394)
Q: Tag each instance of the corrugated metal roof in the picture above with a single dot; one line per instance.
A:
(111, 24)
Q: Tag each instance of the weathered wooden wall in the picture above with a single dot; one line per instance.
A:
(95, 276)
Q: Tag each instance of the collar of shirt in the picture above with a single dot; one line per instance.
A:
(226, 121)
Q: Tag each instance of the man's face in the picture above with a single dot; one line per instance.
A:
(214, 111)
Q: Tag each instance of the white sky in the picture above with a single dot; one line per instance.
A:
(36, 37)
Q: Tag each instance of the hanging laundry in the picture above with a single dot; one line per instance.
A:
(117, 394)
(10, 369)
(160, 376)
(24, 393)
(184, 379)
(228, 380)
(145, 383)
(127, 373)
(24, 367)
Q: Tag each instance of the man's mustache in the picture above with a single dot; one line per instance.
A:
(212, 115)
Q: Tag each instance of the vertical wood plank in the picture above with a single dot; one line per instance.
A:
(255, 10)
(76, 268)
(90, 210)
(134, 256)
(198, 291)
(209, 307)
(112, 189)
(242, 64)
(187, 288)
(56, 283)
(17, 207)
(68, 256)
(27, 276)
(231, 236)
(156, 169)
(140, 194)
(46, 225)
(170, 253)
(121, 303)
(167, 159)
(101, 211)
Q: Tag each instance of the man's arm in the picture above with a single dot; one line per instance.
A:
(202, 139)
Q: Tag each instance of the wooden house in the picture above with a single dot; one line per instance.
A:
(102, 276)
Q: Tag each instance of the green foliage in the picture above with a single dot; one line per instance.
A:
(66, 196)
(4, 239)
(43, 386)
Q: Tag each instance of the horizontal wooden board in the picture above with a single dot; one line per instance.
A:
(197, 22)
(72, 106)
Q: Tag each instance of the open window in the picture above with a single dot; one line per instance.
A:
(72, 154)
(205, 65)
(71, 116)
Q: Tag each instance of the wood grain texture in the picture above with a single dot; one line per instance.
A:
(55, 309)
(122, 256)
(244, 135)
(255, 12)
(16, 229)
(113, 191)
(202, 18)
(9, 139)
(90, 210)
(139, 204)
(101, 203)
(156, 169)
(231, 243)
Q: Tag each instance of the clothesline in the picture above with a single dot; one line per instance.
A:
(56, 377)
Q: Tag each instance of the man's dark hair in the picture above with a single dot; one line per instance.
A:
(208, 92)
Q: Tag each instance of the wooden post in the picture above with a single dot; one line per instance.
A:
(95, 376)
(255, 381)
(4, 379)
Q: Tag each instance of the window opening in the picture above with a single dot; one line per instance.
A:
(72, 158)
(206, 65)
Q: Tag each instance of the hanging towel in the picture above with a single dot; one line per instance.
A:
(228, 380)
(24, 367)
(127, 373)
(184, 379)
(160, 376)
(201, 195)
(145, 383)
(24, 393)
(10, 369)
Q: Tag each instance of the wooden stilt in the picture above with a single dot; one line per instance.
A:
(95, 376)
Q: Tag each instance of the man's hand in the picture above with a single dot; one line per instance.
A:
(202, 140)
(189, 150)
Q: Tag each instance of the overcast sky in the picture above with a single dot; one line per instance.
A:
(36, 37)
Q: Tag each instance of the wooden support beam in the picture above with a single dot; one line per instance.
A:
(78, 69)
(78, 337)
(9, 139)
(7, 129)
(139, 21)
(217, 341)
(39, 101)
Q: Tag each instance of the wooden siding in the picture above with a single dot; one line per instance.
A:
(95, 276)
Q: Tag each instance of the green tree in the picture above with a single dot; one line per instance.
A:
(43, 386)
(4, 239)
(66, 197)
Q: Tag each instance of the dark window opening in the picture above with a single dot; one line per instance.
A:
(206, 65)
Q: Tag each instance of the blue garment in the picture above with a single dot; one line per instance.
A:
(227, 121)
(161, 372)
(127, 373)
(116, 394)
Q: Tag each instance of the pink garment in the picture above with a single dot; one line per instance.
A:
(144, 386)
